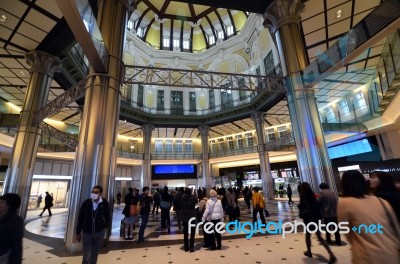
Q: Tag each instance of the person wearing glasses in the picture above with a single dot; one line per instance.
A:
(93, 219)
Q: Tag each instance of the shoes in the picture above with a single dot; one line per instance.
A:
(186, 249)
(191, 250)
(50, 214)
(212, 248)
(169, 230)
(205, 246)
(332, 259)
(40, 215)
(308, 254)
(338, 244)
(126, 238)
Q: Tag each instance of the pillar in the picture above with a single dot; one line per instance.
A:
(96, 154)
(146, 167)
(265, 166)
(205, 160)
(22, 162)
(283, 19)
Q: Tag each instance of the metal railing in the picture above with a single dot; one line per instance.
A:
(175, 156)
(74, 93)
(233, 152)
(375, 22)
(201, 79)
(285, 142)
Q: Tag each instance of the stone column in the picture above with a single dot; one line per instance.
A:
(22, 162)
(146, 167)
(283, 19)
(265, 166)
(96, 154)
(205, 162)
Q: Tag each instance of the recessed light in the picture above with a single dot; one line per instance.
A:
(3, 18)
(339, 13)
(22, 73)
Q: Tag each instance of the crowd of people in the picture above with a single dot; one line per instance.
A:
(364, 203)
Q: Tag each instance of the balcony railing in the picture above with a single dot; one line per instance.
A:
(176, 156)
(233, 152)
(285, 142)
(201, 112)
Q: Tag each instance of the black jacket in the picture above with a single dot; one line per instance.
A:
(11, 233)
(393, 198)
(145, 202)
(188, 203)
(309, 209)
(48, 201)
(86, 216)
(177, 201)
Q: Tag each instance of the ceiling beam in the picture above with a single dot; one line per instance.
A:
(253, 6)
(232, 22)
(222, 24)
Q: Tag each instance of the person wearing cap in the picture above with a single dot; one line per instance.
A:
(328, 203)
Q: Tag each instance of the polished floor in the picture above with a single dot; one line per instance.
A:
(43, 242)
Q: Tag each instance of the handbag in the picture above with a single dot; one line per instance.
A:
(139, 207)
(133, 210)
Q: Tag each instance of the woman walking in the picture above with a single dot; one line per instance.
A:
(310, 213)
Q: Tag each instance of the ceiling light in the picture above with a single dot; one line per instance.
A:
(339, 13)
(3, 18)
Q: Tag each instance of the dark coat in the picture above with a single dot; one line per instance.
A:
(309, 209)
(11, 233)
(145, 202)
(393, 198)
(188, 204)
(86, 216)
(48, 201)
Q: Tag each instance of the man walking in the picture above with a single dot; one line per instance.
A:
(328, 204)
(48, 203)
(289, 194)
(93, 219)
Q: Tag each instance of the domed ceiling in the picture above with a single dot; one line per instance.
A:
(172, 25)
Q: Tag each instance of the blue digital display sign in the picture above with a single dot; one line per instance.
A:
(173, 169)
(349, 149)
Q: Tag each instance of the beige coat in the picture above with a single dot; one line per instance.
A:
(366, 247)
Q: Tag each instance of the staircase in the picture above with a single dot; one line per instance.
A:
(387, 75)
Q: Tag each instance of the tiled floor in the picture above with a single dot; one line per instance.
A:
(43, 243)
